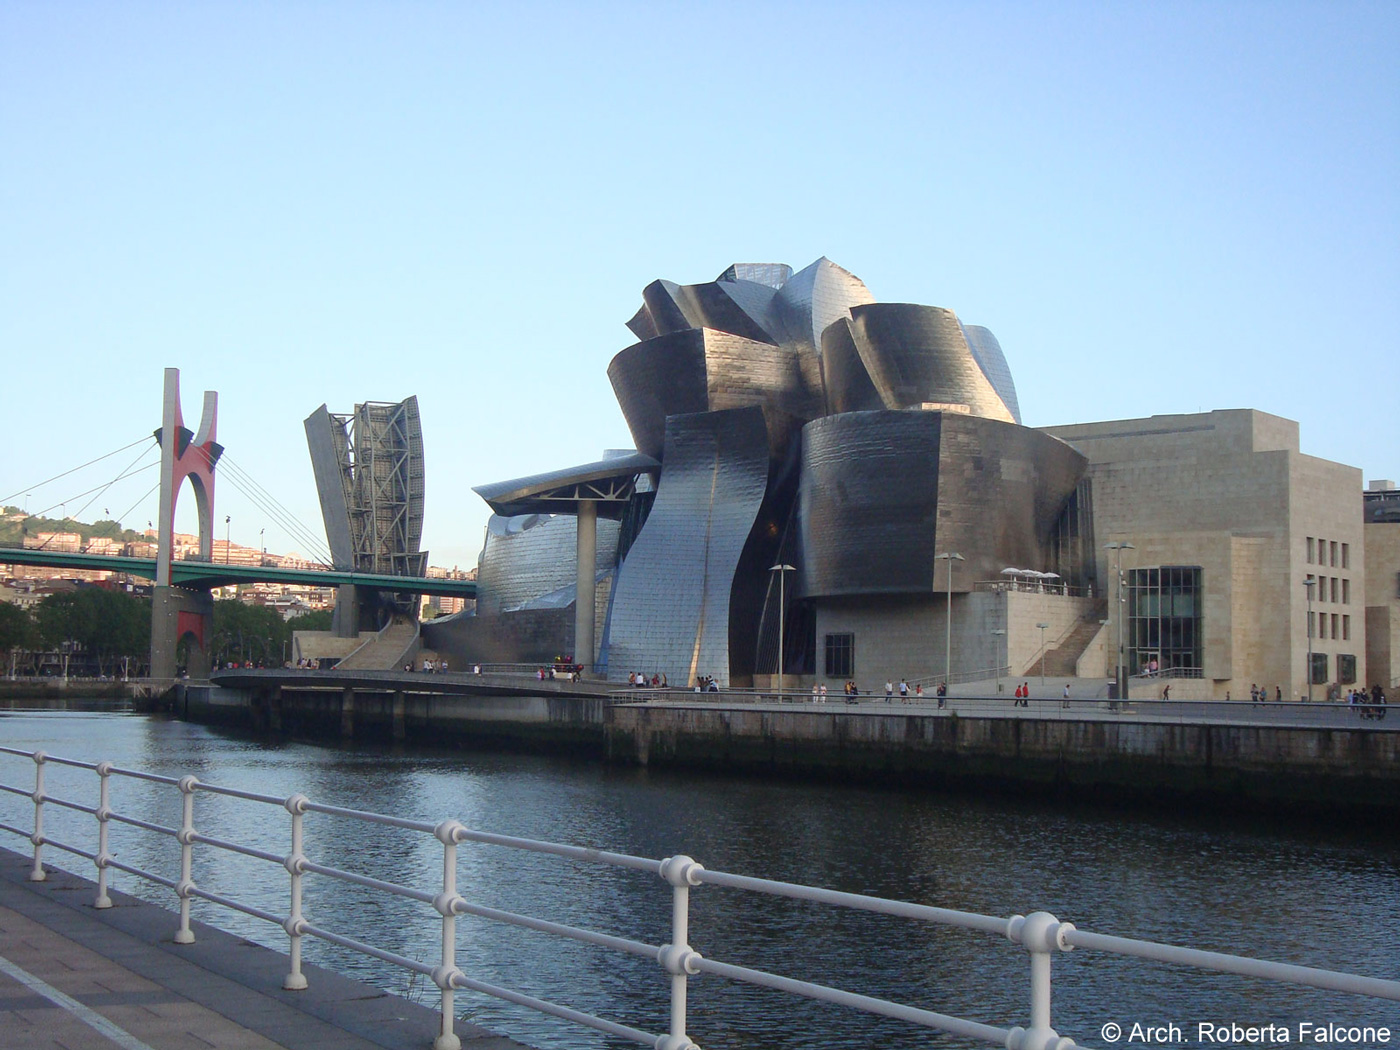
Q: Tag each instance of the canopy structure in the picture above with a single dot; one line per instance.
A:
(604, 488)
(607, 483)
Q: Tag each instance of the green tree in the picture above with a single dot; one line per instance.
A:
(16, 631)
(312, 621)
(247, 633)
(109, 625)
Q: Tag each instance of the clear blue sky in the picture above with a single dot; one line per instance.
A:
(1156, 208)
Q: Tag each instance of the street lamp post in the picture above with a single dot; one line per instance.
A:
(782, 571)
(1120, 676)
(1310, 583)
(1042, 627)
(949, 557)
(227, 529)
(996, 654)
(262, 541)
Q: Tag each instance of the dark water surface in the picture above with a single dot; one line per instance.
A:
(1298, 893)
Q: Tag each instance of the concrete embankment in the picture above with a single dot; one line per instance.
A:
(1104, 758)
(1264, 760)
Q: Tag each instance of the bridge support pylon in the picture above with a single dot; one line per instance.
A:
(179, 612)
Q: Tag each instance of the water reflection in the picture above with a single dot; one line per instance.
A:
(1304, 895)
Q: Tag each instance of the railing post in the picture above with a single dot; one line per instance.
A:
(295, 981)
(447, 834)
(678, 958)
(1040, 934)
(36, 873)
(104, 814)
(186, 837)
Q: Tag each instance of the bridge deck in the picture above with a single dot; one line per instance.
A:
(72, 976)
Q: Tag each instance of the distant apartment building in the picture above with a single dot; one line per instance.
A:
(67, 542)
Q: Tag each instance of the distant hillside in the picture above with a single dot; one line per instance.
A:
(14, 526)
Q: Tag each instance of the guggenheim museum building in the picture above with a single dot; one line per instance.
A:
(786, 419)
(845, 486)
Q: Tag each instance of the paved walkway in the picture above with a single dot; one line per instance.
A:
(75, 978)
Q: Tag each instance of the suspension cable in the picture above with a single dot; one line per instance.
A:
(96, 488)
(138, 502)
(99, 459)
(140, 456)
(249, 487)
(268, 504)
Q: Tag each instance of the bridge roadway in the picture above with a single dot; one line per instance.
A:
(73, 976)
(204, 575)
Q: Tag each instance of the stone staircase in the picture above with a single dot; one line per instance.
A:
(385, 652)
(1063, 660)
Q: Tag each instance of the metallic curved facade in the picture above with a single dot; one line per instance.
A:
(986, 351)
(671, 601)
(848, 384)
(702, 370)
(918, 355)
(794, 419)
(881, 493)
(530, 557)
(816, 297)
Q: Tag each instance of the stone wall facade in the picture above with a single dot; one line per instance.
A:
(1229, 491)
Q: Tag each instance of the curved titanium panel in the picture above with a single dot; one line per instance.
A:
(986, 351)
(532, 555)
(881, 493)
(704, 370)
(657, 378)
(848, 385)
(918, 355)
(814, 298)
(774, 275)
(867, 501)
(717, 306)
(672, 597)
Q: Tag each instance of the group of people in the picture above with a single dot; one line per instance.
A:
(1258, 694)
(640, 680)
(705, 683)
(1371, 705)
(431, 666)
(1023, 695)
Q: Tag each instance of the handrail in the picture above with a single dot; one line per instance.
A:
(1040, 934)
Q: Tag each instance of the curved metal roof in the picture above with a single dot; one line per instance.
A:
(608, 482)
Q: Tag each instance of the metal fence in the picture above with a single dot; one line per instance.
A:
(1040, 934)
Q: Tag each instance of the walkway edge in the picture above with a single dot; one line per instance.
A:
(220, 968)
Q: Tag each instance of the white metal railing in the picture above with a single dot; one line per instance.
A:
(1040, 933)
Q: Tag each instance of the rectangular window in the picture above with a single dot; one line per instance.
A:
(1333, 544)
(1310, 550)
(1346, 555)
(1346, 592)
(1319, 669)
(1164, 618)
(1335, 625)
(1346, 669)
(1312, 631)
(1346, 628)
(1334, 589)
(840, 655)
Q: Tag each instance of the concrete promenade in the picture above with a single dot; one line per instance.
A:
(1265, 756)
(73, 977)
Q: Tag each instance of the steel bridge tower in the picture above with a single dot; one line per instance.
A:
(178, 612)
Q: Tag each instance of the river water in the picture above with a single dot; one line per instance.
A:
(1303, 893)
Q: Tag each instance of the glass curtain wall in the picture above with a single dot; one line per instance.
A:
(1164, 620)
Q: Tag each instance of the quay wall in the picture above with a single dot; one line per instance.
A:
(1096, 759)
(1109, 759)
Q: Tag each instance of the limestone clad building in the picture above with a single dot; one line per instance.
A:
(1227, 520)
